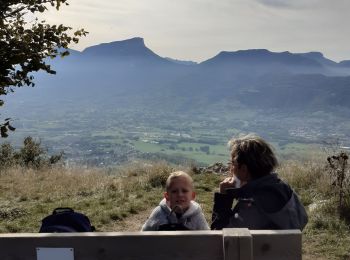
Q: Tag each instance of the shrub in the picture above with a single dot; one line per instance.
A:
(7, 158)
(340, 180)
(31, 155)
(158, 179)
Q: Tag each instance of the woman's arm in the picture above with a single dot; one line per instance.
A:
(222, 211)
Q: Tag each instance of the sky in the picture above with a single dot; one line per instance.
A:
(199, 29)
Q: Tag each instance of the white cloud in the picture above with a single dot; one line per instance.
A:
(289, 3)
(275, 3)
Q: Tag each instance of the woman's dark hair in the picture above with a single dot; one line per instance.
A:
(255, 153)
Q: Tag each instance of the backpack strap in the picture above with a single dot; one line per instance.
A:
(173, 212)
(171, 226)
(62, 210)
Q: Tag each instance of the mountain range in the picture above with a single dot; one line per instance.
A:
(250, 90)
(259, 78)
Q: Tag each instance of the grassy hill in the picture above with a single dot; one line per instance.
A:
(121, 199)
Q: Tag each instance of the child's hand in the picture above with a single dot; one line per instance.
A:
(229, 182)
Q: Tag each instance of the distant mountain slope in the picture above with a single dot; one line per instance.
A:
(262, 61)
(128, 74)
(121, 51)
(262, 56)
(345, 63)
(318, 57)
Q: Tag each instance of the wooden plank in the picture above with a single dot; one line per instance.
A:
(237, 243)
(276, 244)
(229, 244)
(204, 245)
(245, 244)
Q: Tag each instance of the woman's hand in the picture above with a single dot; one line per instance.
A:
(227, 183)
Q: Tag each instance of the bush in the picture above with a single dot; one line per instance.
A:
(340, 180)
(158, 179)
(7, 156)
(316, 181)
(31, 155)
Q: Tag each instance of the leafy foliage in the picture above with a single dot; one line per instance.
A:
(31, 155)
(5, 127)
(26, 43)
(7, 156)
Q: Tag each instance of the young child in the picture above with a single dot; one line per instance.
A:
(177, 211)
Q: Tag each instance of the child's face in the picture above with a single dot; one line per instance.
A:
(180, 193)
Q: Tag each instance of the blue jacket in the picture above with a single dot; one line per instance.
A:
(263, 203)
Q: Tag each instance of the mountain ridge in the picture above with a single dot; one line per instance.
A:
(134, 47)
(256, 77)
(131, 49)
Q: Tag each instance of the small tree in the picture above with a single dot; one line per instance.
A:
(340, 177)
(31, 155)
(6, 156)
(25, 44)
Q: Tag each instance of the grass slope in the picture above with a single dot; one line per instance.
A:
(121, 199)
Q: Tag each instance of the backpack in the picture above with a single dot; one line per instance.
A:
(66, 220)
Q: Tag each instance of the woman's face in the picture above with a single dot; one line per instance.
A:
(240, 171)
(234, 169)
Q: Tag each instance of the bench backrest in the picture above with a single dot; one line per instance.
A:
(232, 244)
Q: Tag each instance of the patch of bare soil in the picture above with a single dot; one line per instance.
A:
(133, 222)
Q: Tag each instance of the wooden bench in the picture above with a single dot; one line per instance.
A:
(228, 244)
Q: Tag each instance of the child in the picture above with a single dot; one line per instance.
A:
(177, 211)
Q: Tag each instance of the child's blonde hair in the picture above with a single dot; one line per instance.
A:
(175, 175)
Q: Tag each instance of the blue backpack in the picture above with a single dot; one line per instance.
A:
(66, 220)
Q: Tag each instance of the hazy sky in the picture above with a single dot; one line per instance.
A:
(199, 29)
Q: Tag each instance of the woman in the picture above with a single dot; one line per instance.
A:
(263, 200)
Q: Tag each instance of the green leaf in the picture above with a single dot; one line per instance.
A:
(11, 128)
(26, 44)
(3, 131)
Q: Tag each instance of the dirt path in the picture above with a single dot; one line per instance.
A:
(133, 222)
